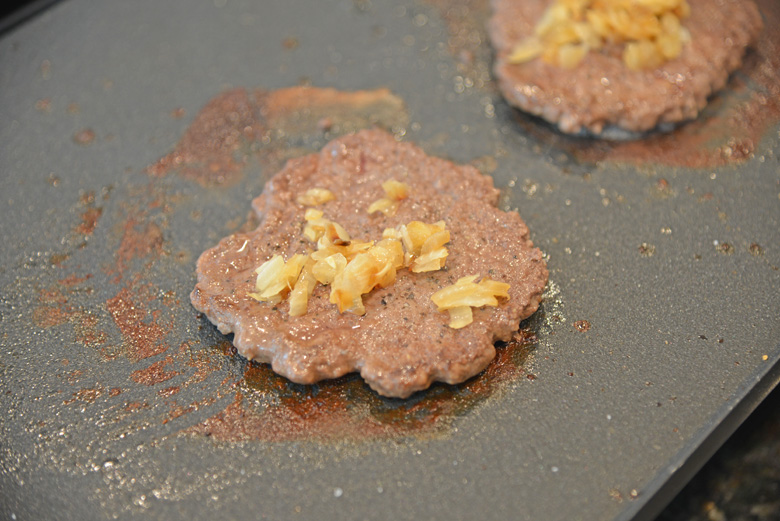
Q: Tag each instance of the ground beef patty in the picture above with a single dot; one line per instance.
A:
(402, 343)
(601, 95)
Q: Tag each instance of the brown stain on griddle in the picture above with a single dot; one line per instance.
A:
(271, 126)
(54, 305)
(87, 330)
(137, 307)
(89, 215)
(49, 316)
(57, 259)
(169, 391)
(178, 113)
(140, 311)
(195, 364)
(201, 361)
(269, 407)
(87, 395)
(156, 373)
(89, 220)
(74, 280)
(142, 334)
(141, 238)
(208, 150)
(52, 309)
(43, 105)
(84, 136)
(136, 405)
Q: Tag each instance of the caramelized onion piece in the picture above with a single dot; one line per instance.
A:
(650, 30)
(467, 293)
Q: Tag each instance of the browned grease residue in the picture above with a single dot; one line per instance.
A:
(87, 395)
(43, 105)
(74, 280)
(50, 316)
(53, 308)
(89, 220)
(727, 131)
(169, 391)
(84, 137)
(143, 335)
(87, 332)
(155, 373)
(269, 407)
(272, 126)
(141, 237)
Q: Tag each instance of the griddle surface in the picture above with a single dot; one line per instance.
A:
(108, 374)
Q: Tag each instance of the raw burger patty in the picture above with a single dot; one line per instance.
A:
(601, 93)
(402, 344)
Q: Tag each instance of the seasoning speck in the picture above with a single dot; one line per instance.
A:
(44, 105)
(582, 326)
(726, 248)
(84, 137)
(646, 250)
(337, 492)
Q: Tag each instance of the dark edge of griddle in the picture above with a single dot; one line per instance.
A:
(671, 480)
(21, 12)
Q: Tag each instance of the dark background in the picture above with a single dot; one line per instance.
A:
(15, 11)
(741, 482)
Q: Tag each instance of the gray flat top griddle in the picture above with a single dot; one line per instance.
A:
(658, 335)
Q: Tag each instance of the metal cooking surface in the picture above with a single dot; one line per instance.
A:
(658, 335)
